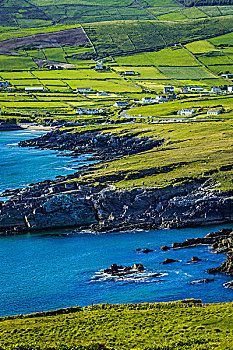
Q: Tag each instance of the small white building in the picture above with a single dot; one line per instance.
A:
(161, 99)
(120, 104)
(147, 100)
(83, 90)
(168, 89)
(89, 111)
(214, 112)
(227, 76)
(186, 111)
(184, 90)
(230, 89)
(216, 90)
(34, 88)
(129, 72)
(4, 84)
(99, 67)
(195, 89)
(102, 93)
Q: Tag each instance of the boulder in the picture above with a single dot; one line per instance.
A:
(169, 261)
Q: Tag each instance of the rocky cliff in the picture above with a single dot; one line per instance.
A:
(68, 201)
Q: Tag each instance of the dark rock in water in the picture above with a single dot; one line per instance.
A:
(9, 125)
(119, 270)
(165, 248)
(195, 259)
(138, 267)
(206, 280)
(169, 261)
(228, 285)
(156, 274)
(147, 250)
(226, 267)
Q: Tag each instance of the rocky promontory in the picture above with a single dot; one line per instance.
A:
(99, 206)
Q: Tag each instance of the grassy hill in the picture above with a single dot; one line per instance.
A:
(160, 326)
(37, 13)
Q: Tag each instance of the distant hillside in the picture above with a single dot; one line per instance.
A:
(206, 2)
(37, 13)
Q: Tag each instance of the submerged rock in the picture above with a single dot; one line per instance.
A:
(169, 261)
(206, 280)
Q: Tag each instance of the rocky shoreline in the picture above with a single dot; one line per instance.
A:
(68, 202)
(221, 242)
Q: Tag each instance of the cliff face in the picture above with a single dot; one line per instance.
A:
(63, 204)
(69, 201)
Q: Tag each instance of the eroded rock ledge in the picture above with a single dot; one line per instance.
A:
(68, 202)
(103, 146)
(221, 241)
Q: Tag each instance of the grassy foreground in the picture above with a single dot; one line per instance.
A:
(184, 324)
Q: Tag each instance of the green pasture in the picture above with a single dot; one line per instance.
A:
(190, 151)
(8, 63)
(180, 73)
(141, 72)
(213, 58)
(201, 46)
(55, 54)
(14, 32)
(226, 39)
(123, 327)
(172, 16)
(221, 68)
(174, 56)
(200, 105)
(21, 83)
(228, 51)
(16, 75)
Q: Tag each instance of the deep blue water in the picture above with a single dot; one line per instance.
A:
(20, 166)
(50, 270)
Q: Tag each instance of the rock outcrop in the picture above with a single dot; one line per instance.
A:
(221, 241)
(69, 201)
(64, 202)
(103, 146)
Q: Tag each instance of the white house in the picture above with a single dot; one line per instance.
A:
(147, 100)
(102, 93)
(120, 104)
(99, 67)
(184, 90)
(216, 90)
(195, 89)
(34, 88)
(214, 112)
(89, 111)
(230, 89)
(161, 99)
(185, 111)
(4, 84)
(227, 76)
(83, 89)
(168, 89)
(129, 72)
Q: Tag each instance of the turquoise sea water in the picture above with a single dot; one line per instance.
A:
(55, 269)
(20, 166)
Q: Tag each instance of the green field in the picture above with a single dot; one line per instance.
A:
(123, 327)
